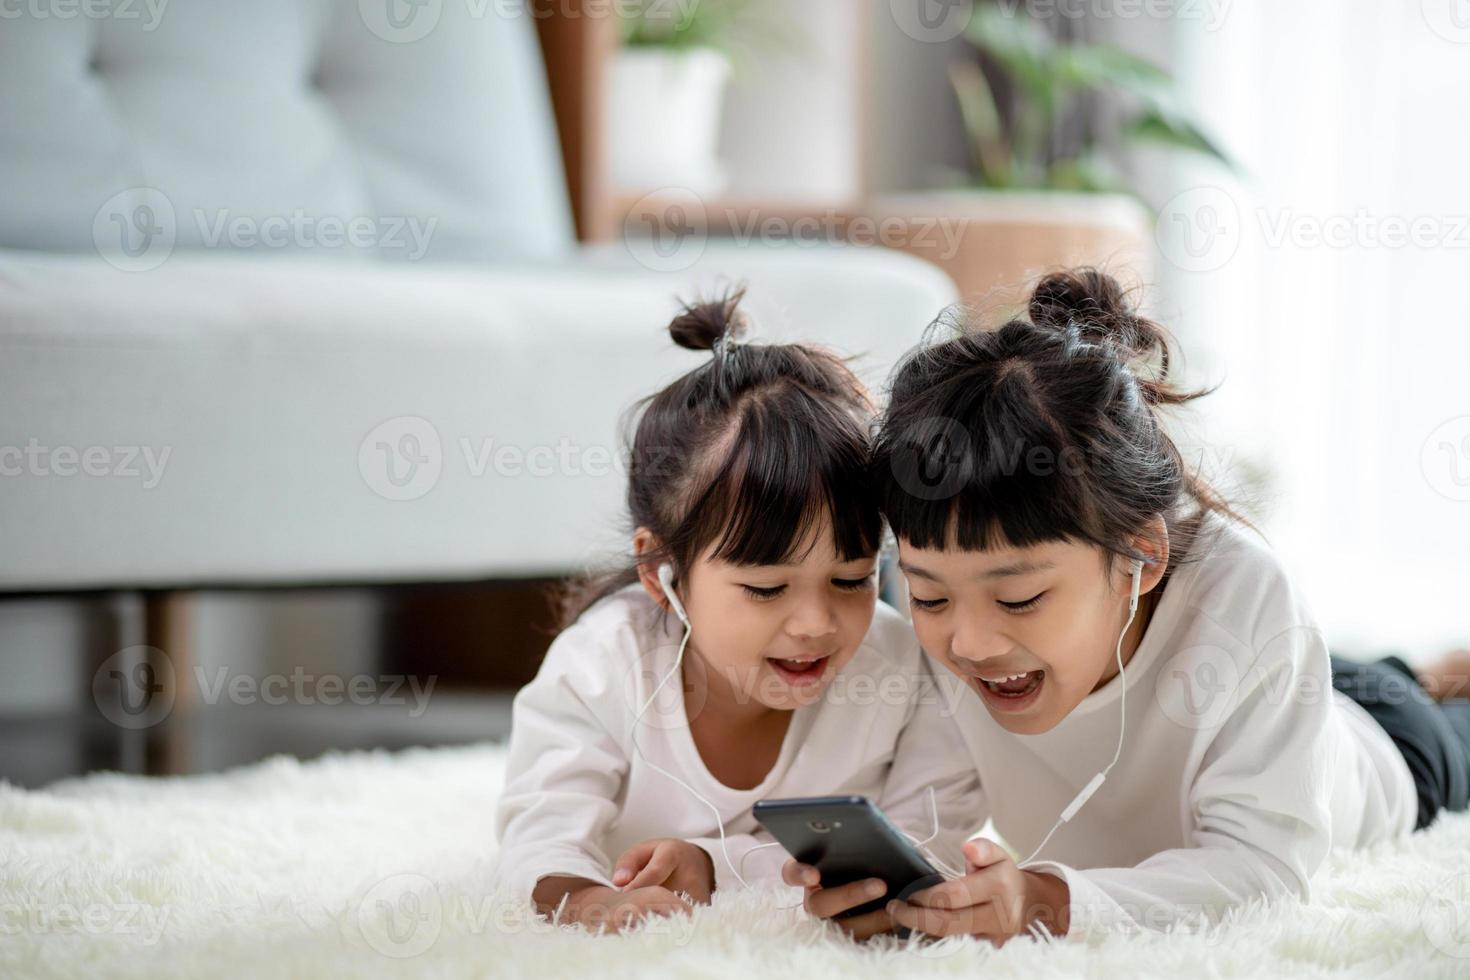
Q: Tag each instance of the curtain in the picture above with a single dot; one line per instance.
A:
(1326, 284)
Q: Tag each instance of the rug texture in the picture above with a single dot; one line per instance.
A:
(378, 864)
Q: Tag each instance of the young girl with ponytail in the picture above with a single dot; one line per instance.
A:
(1158, 727)
(741, 654)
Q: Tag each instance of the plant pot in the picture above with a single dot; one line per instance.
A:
(664, 108)
(994, 244)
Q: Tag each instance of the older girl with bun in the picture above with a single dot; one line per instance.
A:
(1159, 729)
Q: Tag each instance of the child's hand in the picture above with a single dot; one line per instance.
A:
(995, 899)
(600, 905)
(667, 861)
(827, 903)
(594, 905)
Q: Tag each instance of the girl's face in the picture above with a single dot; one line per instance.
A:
(1032, 630)
(775, 635)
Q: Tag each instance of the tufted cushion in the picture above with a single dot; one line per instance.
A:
(401, 128)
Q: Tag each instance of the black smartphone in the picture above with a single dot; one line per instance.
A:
(847, 838)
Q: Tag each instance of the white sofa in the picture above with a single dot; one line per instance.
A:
(198, 387)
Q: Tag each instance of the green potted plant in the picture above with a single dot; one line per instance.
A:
(666, 92)
(1032, 201)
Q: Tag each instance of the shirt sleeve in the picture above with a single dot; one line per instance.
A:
(565, 769)
(931, 753)
(1261, 799)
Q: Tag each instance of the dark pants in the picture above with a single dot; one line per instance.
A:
(1433, 737)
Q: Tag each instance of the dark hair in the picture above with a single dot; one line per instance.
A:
(745, 453)
(1045, 429)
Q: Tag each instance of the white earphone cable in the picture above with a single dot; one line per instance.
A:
(1092, 786)
(719, 820)
(921, 844)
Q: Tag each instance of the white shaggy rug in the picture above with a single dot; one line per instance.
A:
(368, 865)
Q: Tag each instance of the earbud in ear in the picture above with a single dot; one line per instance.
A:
(1137, 581)
(666, 579)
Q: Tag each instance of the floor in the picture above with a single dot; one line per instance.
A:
(39, 749)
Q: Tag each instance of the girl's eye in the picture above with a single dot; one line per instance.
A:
(757, 592)
(852, 584)
(1024, 605)
(929, 605)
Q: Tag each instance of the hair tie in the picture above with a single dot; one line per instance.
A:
(724, 346)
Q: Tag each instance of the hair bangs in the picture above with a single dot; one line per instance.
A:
(792, 461)
(1012, 481)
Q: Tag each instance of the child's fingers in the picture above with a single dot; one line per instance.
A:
(828, 902)
(661, 901)
(975, 888)
(799, 875)
(648, 902)
(659, 869)
(982, 853)
(867, 925)
(976, 919)
(632, 861)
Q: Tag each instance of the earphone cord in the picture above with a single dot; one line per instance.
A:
(923, 845)
(719, 820)
(1076, 804)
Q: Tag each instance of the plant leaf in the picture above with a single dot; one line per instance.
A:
(1022, 46)
(1157, 127)
(981, 116)
(1085, 173)
(702, 24)
(1096, 66)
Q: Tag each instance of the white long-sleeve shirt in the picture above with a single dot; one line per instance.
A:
(576, 794)
(1240, 769)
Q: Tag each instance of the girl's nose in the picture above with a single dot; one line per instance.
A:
(815, 618)
(976, 640)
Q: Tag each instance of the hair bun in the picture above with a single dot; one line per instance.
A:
(700, 324)
(1097, 306)
(1092, 300)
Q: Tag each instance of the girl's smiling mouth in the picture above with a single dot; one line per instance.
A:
(1010, 692)
(805, 669)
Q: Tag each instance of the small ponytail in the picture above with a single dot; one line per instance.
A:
(703, 325)
(743, 457)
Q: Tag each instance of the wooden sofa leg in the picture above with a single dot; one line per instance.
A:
(166, 627)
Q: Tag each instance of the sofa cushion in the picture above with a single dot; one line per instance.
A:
(229, 419)
(135, 127)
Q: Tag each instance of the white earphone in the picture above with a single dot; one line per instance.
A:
(666, 579)
(1096, 782)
